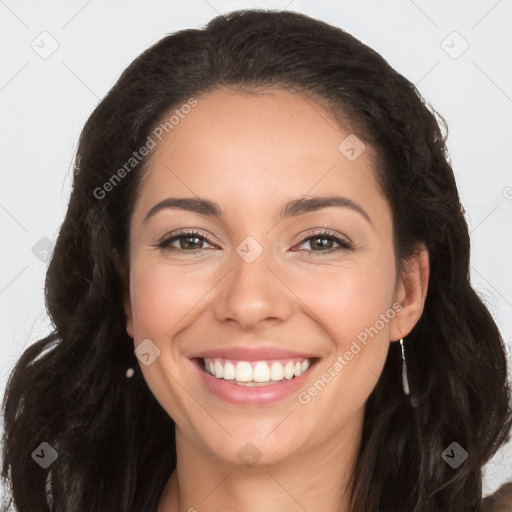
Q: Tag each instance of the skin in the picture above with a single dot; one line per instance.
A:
(251, 154)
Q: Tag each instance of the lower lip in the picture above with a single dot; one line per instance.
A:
(256, 395)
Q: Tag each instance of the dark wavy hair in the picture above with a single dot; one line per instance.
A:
(115, 443)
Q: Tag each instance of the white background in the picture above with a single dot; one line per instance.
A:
(45, 102)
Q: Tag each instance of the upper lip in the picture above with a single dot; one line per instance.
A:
(251, 354)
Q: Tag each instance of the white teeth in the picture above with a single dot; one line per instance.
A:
(229, 371)
(256, 373)
(243, 371)
(276, 371)
(288, 371)
(261, 372)
(219, 370)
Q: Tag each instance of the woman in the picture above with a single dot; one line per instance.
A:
(260, 293)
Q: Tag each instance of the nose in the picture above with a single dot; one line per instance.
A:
(254, 293)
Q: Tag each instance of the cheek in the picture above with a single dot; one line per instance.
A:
(346, 300)
(354, 306)
(162, 296)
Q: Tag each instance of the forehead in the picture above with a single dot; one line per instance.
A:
(249, 150)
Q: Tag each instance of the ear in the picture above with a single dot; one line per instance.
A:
(411, 291)
(124, 275)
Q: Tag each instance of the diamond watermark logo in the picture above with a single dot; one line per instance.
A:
(351, 147)
(147, 352)
(454, 45)
(42, 249)
(45, 455)
(249, 454)
(45, 45)
(454, 455)
(249, 250)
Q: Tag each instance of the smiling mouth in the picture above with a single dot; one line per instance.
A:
(256, 373)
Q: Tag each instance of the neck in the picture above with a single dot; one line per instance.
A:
(315, 481)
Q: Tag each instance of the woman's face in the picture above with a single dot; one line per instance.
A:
(258, 291)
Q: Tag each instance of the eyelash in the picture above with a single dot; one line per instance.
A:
(164, 243)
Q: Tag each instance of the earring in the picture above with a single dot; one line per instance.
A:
(405, 382)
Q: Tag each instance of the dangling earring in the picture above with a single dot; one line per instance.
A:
(405, 382)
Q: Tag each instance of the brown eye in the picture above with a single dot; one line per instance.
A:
(188, 242)
(315, 242)
(322, 243)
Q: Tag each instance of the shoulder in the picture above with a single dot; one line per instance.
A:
(499, 501)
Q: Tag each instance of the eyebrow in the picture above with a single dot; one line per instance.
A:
(293, 208)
